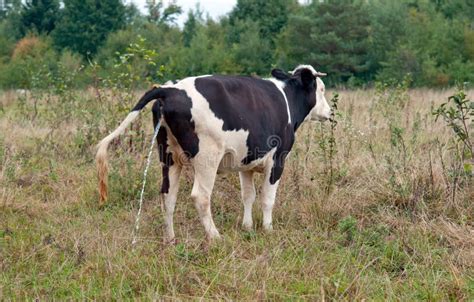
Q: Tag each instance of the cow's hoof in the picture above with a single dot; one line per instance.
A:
(247, 227)
(209, 242)
(170, 241)
(214, 237)
(212, 234)
(268, 228)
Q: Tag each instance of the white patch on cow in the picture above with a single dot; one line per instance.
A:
(311, 68)
(281, 86)
(304, 67)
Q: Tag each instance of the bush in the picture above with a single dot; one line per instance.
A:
(30, 46)
(31, 56)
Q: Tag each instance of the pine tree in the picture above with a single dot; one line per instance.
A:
(191, 25)
(330, 35)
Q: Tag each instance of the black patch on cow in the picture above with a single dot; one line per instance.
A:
(280, 74)
(176, 109)
(300, 91)
(280, 155)
(166, 157)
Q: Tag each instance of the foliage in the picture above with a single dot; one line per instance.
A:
(31, 55)
(356, 42)
(74, 30)
(39, 16)
(206, 53)
(194, 20)
(270, 16)
(159, 14)
(430, 51)
(135, 65)
(9, 6)
(387, 27)
(336, 39)
(253, 53)
(455, 8)
(328, 147)
(458, 114)
(253, 26)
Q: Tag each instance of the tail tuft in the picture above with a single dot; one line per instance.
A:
(102, 172)
(101, 157)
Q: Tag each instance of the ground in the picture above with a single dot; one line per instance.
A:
(364, 212)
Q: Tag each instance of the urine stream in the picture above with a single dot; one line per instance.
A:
(150, 152)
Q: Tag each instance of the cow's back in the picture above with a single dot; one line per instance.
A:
(244, 102)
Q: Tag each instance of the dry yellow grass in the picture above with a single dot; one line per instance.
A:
(388, 229)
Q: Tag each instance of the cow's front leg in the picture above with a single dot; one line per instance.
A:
(273, 174)
(268, 201)
(248, 197)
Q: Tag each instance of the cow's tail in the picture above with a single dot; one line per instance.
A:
(101, 156)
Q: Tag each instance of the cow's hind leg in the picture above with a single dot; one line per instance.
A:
(169, 197)
(171, 172)
(205, 168)
(248, 197)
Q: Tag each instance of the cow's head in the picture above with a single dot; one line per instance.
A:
(310, 81)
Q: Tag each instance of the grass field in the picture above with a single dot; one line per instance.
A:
(373, 217)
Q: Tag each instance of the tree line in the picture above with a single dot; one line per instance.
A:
(356, 42)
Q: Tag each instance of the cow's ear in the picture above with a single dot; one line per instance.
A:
(307, 77)
(280, 74)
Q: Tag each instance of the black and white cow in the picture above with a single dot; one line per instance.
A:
(226, 123)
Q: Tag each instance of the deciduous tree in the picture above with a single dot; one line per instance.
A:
(85, 24)
(39, 16)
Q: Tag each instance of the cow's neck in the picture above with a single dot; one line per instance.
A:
(298, 105)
